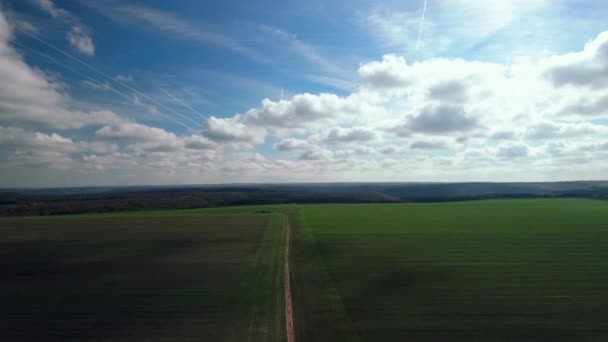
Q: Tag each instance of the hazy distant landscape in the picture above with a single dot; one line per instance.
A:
(53, 201)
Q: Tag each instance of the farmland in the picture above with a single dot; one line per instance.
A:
(472, 271)
(517, 270)
(169, 276)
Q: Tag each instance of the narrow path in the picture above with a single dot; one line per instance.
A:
(288, 304)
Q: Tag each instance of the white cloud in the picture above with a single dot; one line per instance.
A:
(588, 68)
(134, 132)
(49, 7)
(437, 119)
(515, 150)
(33, 104)
(197, 142)
(391, 72)
(445, 99)
(596, 106)
(78, 36)
(553, 130)
(429, 145)
(348, 135)
(316, 155)
(231, 131)
(20, 22)
(449, 91)
(81, 40)
(30, 97)
(452, 105)
(293, 144)
(303, 110)
(17, 137)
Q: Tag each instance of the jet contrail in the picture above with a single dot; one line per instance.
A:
(99, 83)
(184, 104)
(136, 91)
(420, 27)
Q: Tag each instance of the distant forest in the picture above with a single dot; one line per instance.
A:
(18, 202)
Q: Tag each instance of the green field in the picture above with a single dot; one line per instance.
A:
(170, 276)
(474, 271)
(504, 270)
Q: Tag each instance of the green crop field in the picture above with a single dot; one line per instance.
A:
(525, 270)
(166, 276)
(504, 270)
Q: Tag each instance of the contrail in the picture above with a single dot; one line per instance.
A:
(97, 82)
(149, 98)
(420, 27)
(184, 104)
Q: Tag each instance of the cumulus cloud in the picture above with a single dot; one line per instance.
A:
(318, 154)
(49, 7)
(78, 36)
(332, 137)
(552, 130)
(134, 132)
(391, 72)
(444, 119)
(292, 144)
(34, 104)
(512, 151)
(448, 100)
(588, 107)
(429, 145)
(502, 135)
(232, 131)
(30, 97)
(197, 142)
(450, 91)
(17, 137)
(153, 139)
(448, 116)
(81, 40)
(588, 68)
(302, 110)
(348, 135)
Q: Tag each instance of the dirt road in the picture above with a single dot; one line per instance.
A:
(288, 304)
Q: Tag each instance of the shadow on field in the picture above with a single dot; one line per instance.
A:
(152, 279)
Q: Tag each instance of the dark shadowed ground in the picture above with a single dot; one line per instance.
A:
(145, 278)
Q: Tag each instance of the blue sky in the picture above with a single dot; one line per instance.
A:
(167, 92)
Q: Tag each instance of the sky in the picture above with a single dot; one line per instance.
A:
(203, 92)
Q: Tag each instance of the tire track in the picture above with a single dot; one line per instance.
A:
(288, 303)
